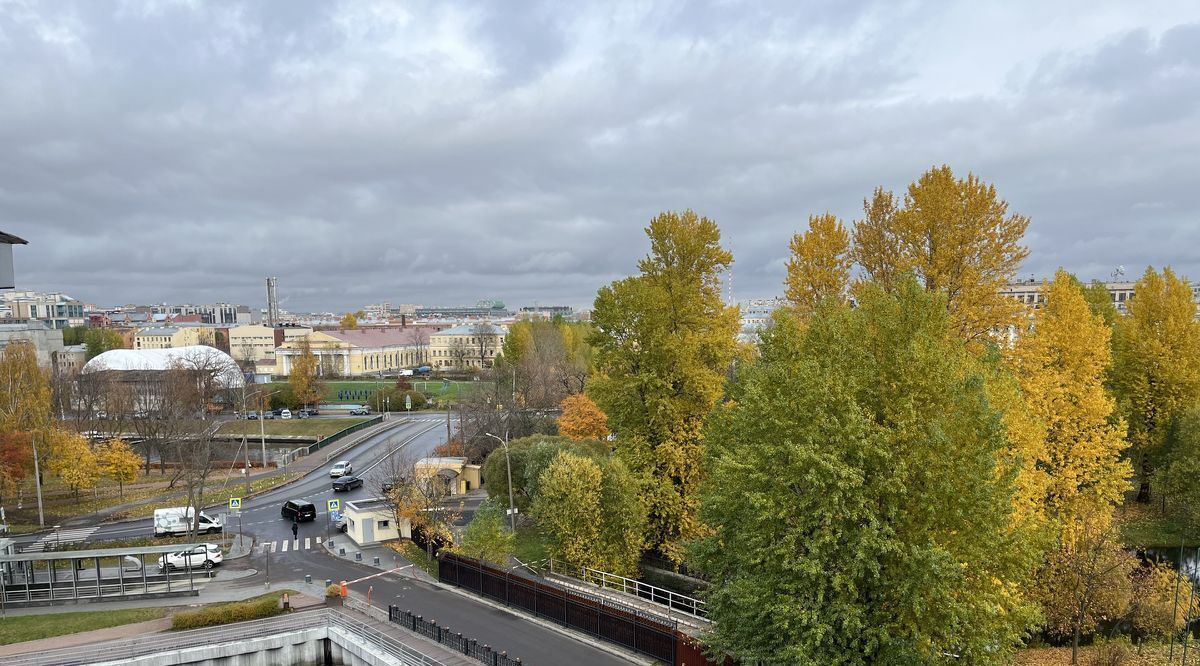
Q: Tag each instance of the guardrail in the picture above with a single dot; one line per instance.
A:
(133, 648)
(376, 420)
(673, 601)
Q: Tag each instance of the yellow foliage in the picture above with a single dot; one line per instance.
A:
(819, 268)
(118, 461)
(1061, 364)
(72, 460)
(959, 239)
(24, 390)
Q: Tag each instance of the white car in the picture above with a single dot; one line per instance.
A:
(341, 468)
(285, 414)
(204, 556)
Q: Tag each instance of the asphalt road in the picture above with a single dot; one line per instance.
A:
(260, 517)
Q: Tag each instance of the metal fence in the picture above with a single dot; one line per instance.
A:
(451, 639)
(601, 618)
(672, 601)
(133, 648)
(342, 433)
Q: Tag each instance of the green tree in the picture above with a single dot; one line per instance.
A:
(1156, 365)
(819, 268)
(663, 342)
(24, 390)
(957, 236)
(623, 519)
(1100, 302)
(567, 508)
(73, 335)
(861, 497)
(487, 536)
(100, 340)
(1176, 476)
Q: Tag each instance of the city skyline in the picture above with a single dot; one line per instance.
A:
(171, 151)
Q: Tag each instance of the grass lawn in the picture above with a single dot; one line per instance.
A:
(32, 627)
(294, 427)
(413, 553)
(531, 545)
(430, 387)
(1144, 525)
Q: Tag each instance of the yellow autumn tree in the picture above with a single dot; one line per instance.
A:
(819, 268)
(348, 320)
(567, 508)
(582, 419)
(1061, 364)
(304, 381)
(118, 461)
(73, 461)
(24, 389)
(1156, 369)
(957, 236)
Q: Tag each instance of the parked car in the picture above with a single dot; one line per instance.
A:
(252, 416)
(268, 416)
(206, 556)
(342, 524)
(387, 484)
(313, 411)
(341, 468)
(360, 411)
(347, 482)
(302, 414)
(278, 411)
(298, 510)
(285, 414)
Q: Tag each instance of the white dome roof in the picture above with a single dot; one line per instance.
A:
(230, 375)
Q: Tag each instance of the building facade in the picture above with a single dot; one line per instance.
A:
(467, 346)
(170, 337)
(359, 352)
(47, 342)
(57, 310)
(256, 343)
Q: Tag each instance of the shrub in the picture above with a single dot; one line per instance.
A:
(1112, 653)
(251, 609)
(333, 590)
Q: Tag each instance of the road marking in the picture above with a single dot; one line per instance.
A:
(284, 548)
(318, 541)
(74, 535)
(307, 543)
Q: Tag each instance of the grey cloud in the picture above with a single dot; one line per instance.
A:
(437, 152)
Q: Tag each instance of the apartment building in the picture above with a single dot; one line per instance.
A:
(359, 352)
(467, 346)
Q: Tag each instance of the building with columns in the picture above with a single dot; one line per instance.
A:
(359, 352)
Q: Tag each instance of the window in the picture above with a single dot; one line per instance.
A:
(383, 524)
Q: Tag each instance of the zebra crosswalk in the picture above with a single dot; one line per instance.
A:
(285, 545)
(73, 535)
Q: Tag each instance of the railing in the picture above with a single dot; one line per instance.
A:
(672, 600)
(128, 649)
(342, 433)
(453, 640)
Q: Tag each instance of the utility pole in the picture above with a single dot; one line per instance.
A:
(37, 476)
(512, 510)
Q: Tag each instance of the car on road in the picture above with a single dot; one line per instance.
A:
(360, 411)
(253, 416)
(285, 414)
(204, 556)
(311, 411)
(298, 510)
(347, 482)
(341, 468)
(301, 414)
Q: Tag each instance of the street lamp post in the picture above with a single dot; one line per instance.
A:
(262, 428)
(512, 510)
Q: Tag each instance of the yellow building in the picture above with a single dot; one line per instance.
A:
(359, 352)
(256, 343)
(451, 476)
(170, 337)
(467, 346)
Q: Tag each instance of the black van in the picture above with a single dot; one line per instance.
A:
(298, 510)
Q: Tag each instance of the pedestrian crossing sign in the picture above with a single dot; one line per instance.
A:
(235, 503)
(333, 505)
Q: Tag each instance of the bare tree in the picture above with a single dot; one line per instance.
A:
(486, 342)
(415, 495)
(421, 342)
(459, 350)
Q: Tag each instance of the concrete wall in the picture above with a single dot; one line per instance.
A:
(300, 648)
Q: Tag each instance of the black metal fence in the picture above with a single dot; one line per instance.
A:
(453, 640)
(376, 420)
(595, 616)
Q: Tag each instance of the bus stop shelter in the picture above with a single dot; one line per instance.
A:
(103, 574)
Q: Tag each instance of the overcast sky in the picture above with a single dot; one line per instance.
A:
(441, 153)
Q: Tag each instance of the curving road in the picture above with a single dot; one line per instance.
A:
(291, 560)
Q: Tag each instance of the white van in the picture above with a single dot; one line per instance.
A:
(177, 521)
(285, 414)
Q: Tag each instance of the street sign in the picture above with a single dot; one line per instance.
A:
(407, 402)
(334, 516)
(333, 505)
(235, 503)
(509, 512)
